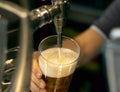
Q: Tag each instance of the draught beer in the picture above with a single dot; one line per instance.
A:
(58, 64)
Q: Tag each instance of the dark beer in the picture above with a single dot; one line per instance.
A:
(57, 84)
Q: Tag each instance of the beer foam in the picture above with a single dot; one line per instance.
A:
(58, 62)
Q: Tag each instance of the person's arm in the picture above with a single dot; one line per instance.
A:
(91, 40)
(110, 18)
(91, 43)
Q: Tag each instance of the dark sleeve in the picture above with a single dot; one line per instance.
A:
(110, 18)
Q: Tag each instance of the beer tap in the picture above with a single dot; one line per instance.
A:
(29, 21)
(60, 19)
(57, 13)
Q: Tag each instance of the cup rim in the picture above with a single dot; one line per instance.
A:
(76, 43)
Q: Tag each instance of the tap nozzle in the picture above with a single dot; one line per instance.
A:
(60, 19)
(43, 15)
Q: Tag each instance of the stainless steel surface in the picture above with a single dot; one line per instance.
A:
(43, 15)
(112, 58)
(20, 83)
(3, 42)
(59, 20)
(9, 70)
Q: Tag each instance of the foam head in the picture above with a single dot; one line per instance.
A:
(58, 62)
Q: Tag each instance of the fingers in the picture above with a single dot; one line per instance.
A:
(35, 68)
(35, 88)
(43, 90)
(37, 84)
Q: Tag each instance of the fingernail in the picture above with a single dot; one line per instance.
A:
(38, 75)
(42, 84)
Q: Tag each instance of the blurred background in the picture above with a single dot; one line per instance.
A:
(92, 77)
